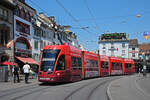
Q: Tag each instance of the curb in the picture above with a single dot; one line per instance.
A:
(108, 89)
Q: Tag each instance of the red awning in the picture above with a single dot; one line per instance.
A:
(29, 60)
(7, 63)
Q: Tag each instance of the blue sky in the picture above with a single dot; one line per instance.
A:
(99, 16)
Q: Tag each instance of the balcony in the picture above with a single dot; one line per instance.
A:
(2, 17)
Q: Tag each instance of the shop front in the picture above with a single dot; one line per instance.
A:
(23, 53)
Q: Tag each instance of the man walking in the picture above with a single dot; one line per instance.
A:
(144, 70)
(16, 73)
(26, 69)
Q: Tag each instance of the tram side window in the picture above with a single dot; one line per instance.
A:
(113, 65)
(87, 63)
(79, 63)
(106, 65)
(102, 64)
(130, 65)
(126, 65)
(73, 62)
(61, 63)
(76, 63)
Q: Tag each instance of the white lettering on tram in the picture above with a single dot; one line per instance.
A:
(48, 59)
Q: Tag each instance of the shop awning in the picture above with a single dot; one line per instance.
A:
(28, 60)
(7, 63)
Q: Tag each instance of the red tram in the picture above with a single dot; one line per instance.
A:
(60, 63)
(116, 66)
(129, 66)
(90, 64)
(64, 63)
(104, 65)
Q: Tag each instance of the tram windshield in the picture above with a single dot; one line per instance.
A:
(48, 59)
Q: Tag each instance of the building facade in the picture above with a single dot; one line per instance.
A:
(133, 49)
(47, 32)
(29, 32)
(144, 55)
(23, 32)
(144, 50)
(43, 35)
(70, 38)
(6, 30)
(114, 44)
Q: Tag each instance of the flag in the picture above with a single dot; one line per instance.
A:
(146, 35)
(9, 44)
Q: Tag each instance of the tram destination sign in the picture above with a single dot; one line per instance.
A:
(114, 36)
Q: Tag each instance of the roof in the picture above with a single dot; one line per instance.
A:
(133, 42)
(144, 47)
(7, 4)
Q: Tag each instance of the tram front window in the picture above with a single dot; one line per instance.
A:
(61, 63)
(48, 60)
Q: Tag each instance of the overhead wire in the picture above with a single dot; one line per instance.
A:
(90, 12)
(74, 19)
(38, 6)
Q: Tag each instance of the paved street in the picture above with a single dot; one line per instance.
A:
(5, 86)
(133, 87)
(92, 89)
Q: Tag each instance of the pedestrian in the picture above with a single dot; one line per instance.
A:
(144, 70)
(26, 69)
(16, 72)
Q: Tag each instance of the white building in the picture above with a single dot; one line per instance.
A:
(114, 44)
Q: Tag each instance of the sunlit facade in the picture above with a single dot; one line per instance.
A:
(114, 44)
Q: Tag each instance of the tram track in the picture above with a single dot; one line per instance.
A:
(96, 87)
(11, 91)
(23, 92)
(37, 91)
(31, 92)
(86, 85)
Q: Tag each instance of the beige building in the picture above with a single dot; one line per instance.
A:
(144, 49)
(133, 49)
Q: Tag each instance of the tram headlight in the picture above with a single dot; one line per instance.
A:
(58, 74)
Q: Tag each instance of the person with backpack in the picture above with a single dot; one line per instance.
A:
(16, 73)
